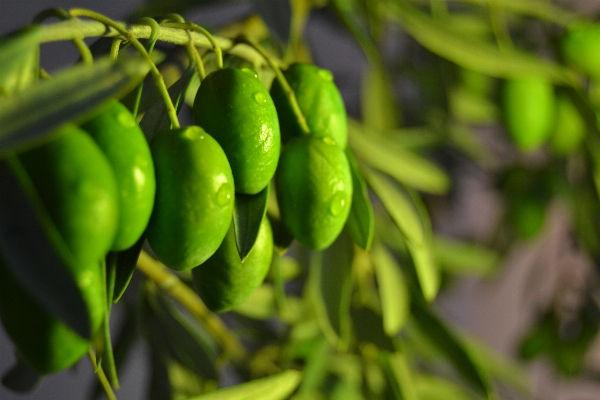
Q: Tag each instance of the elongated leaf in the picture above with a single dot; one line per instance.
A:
(21, 377)
(331, 288)
(368, 327)
(406, 167)
(315, 369)
(125, 267)
(393, 292)
(31, 115)
(397, 371)
(361, 222)
(19, 56)
(464, 258)
(34, 252)
(471, 53)
(247, 216)
(450, 346)
(430, 387)
(275, 387)
(156, 118)
(380, 110)
(426, 269)
(355, 25)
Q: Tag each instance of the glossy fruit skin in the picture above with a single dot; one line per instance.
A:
(116, 132)
(223, 281)
(314, 190)
(235, 108)
(77, 188)
(193, 207)
(529, 106)
(580, 47)
(570, 128)
(319, 100)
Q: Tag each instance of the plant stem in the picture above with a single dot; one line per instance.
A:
(101, 377)
(169, 282)
(196, 28)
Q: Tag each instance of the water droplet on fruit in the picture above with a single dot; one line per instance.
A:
(224, 194)
(328, 140)
(250, 71)
(260, 97)
(126, 120)
(325, 74)
(338, 203)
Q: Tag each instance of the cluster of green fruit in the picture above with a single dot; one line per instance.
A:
(104, 188)
(535, 114)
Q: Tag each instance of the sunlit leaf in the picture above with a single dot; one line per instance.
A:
(400, 378)
(247, 216)
(274, 387)
(19, 57)
(380, 110)
(360, 222)
(393, 292)
(29, 116)
(464, 258)
(429, 387)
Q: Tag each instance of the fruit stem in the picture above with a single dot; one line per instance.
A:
(170, 283)
(156, 75)
(189, 26)
(84, 50)
(114, 48)
(155, 30)
(101, 376)
(291, 95)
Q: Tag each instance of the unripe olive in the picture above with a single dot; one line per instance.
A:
(570, 128)
(580, 47)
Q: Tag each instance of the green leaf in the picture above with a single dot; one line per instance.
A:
(448, 344)
(19, 57)
(315, 369)
(360, 222)
(156, 118)
(368, 327)
(429, 387)
(393, 290)
(464, 258)
(426, 269)
(248, 214)
(331, 289)
(399, 376)
(125, 267)
(405, 166)
(34, 252)
(275, 387)
(21, 377)
(350, 17)
(31, 115)
(380, 110)
(472, 53)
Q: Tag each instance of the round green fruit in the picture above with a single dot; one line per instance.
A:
(580, 47)
(224, 281)
(314, 190)
(529, 111)
(570, 128)
(319, 100)
(118, 135)
(193, 207)
(235, 108)
(77, 186)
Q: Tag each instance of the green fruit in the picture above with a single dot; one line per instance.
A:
(314, 190)
(236, 109)
(118, 135)
(528, 111)
(223, 281)
(570, 128)
(78, 188)
(194, 197)
(580, 47)
(319, 100)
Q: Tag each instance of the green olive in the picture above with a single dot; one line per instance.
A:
(194, 197)
(580, 47)
(319, 100)
(224, 281)
(118, 135)
(235, 108)
(314, 190)
(570, 128)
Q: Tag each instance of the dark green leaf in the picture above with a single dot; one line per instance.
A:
(159, 387)
(451, 347)
(430, 387)
(472, 53)
(368, 327)
(315, 369)
(31, 115)
(247, 216)
(393, 291)
(331, 289)
(34, 251)
(275, 387)
(125, 267)
(19, 56)
(156, 118)
(21, 377)
(360, 222)
(399, 376)
(405, 166)
(282, 238)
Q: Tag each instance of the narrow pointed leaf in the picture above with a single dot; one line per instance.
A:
(29, 116)
(361, 222)
(430, 387)
(466, 258)
(125, 267)
(19, 56)
(398, 373)
(426, 269)
(34, 252)
(247, 215)
(393, 291)
(380, 110)
(275, 387)
(368, 327)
